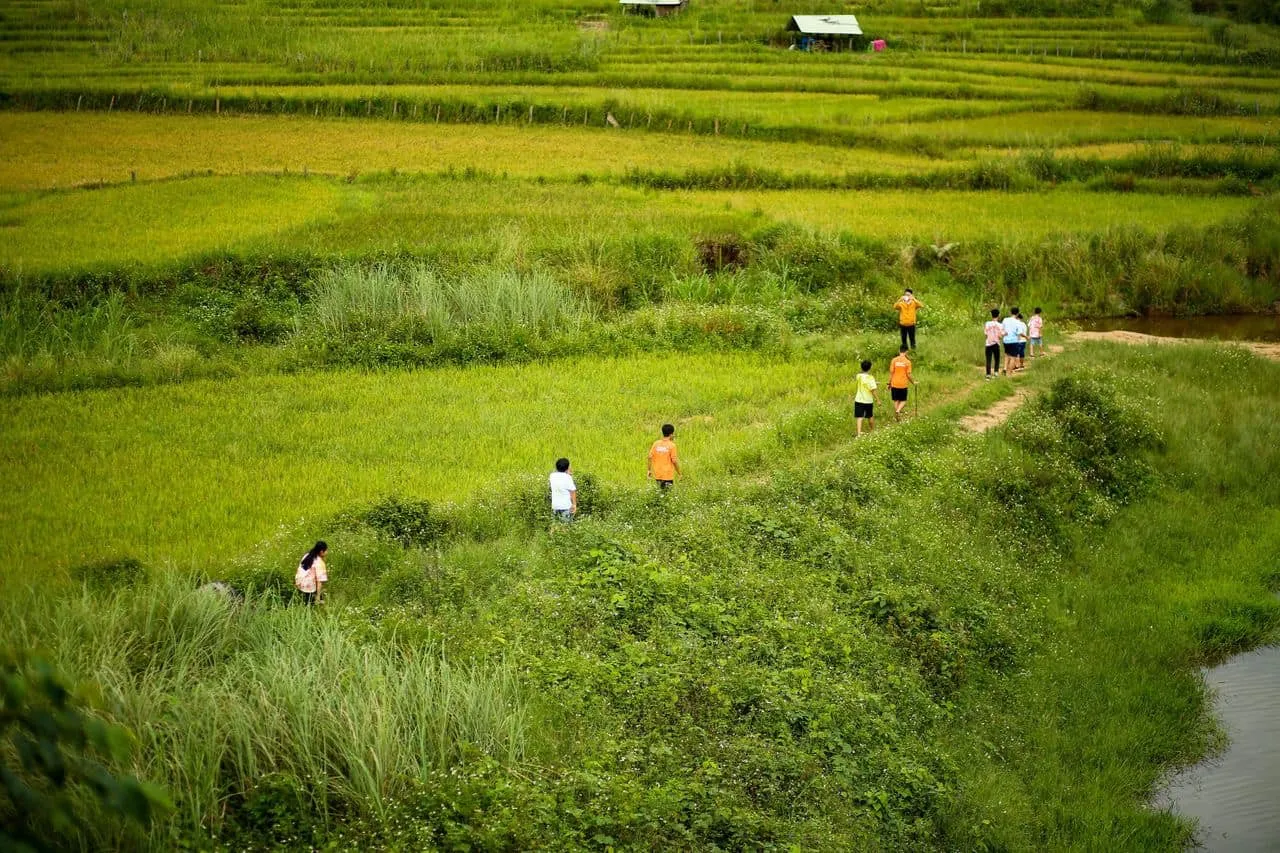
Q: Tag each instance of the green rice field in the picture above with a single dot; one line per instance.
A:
(272, 273)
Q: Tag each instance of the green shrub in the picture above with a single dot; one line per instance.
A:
(256, 319)
(406, 521)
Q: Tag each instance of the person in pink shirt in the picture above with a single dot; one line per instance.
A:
(995, 332)
(312, 574)
(1036, 332)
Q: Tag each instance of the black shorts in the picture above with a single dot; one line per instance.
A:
(897, 393)
(1012, 350)
(862, 410)
(665, 484)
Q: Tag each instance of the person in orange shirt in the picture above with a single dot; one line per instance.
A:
(899, 378)
(664, 463)
(906, 308)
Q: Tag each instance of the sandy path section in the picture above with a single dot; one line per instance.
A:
(995, 415)
(1264, 349)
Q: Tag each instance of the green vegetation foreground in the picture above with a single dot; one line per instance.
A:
(918, 639)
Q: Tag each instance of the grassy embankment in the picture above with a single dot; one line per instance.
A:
(815, 642)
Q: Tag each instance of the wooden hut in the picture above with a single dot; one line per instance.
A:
(825, 32)
(654, 8)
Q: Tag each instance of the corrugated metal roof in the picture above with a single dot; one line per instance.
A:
(826, 25)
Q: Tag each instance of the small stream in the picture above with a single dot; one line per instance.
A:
(1229, 327)
(1236, 796)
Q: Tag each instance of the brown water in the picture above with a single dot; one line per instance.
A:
(1235, 797)
(1230, 327)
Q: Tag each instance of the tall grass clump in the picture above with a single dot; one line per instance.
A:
(235, 702)
(32, 327)
(430, 307)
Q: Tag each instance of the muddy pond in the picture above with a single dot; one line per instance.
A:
(1235, 796)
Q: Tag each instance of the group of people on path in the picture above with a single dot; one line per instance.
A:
(865, 397)
(1016, 337)
(1010, 333)
(901, 379)
(1019, 340)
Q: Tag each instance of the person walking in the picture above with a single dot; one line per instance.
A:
(907, 306)
(564, 493)
(1014, 332)
(1035, 329)
(312, 574)
(864, 398)
(664, 462)
(1022, 341)
(994, 330)
(899, 378)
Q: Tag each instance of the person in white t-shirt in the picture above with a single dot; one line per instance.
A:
(564, 494)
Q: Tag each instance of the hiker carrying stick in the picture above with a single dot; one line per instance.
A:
(899, 378)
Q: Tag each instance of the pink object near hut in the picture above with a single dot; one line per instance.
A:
(878, 45)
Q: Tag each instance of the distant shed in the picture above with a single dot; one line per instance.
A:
(825, 32)
(655, 8)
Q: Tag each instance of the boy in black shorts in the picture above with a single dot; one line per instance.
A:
(864, 399)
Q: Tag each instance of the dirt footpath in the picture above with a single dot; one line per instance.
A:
(995, 415)
(1266, 350)
(1000, 412)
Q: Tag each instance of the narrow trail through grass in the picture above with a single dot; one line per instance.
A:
(995, 415)
(211, 467)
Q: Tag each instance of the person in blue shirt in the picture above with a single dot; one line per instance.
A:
(1015, 336)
